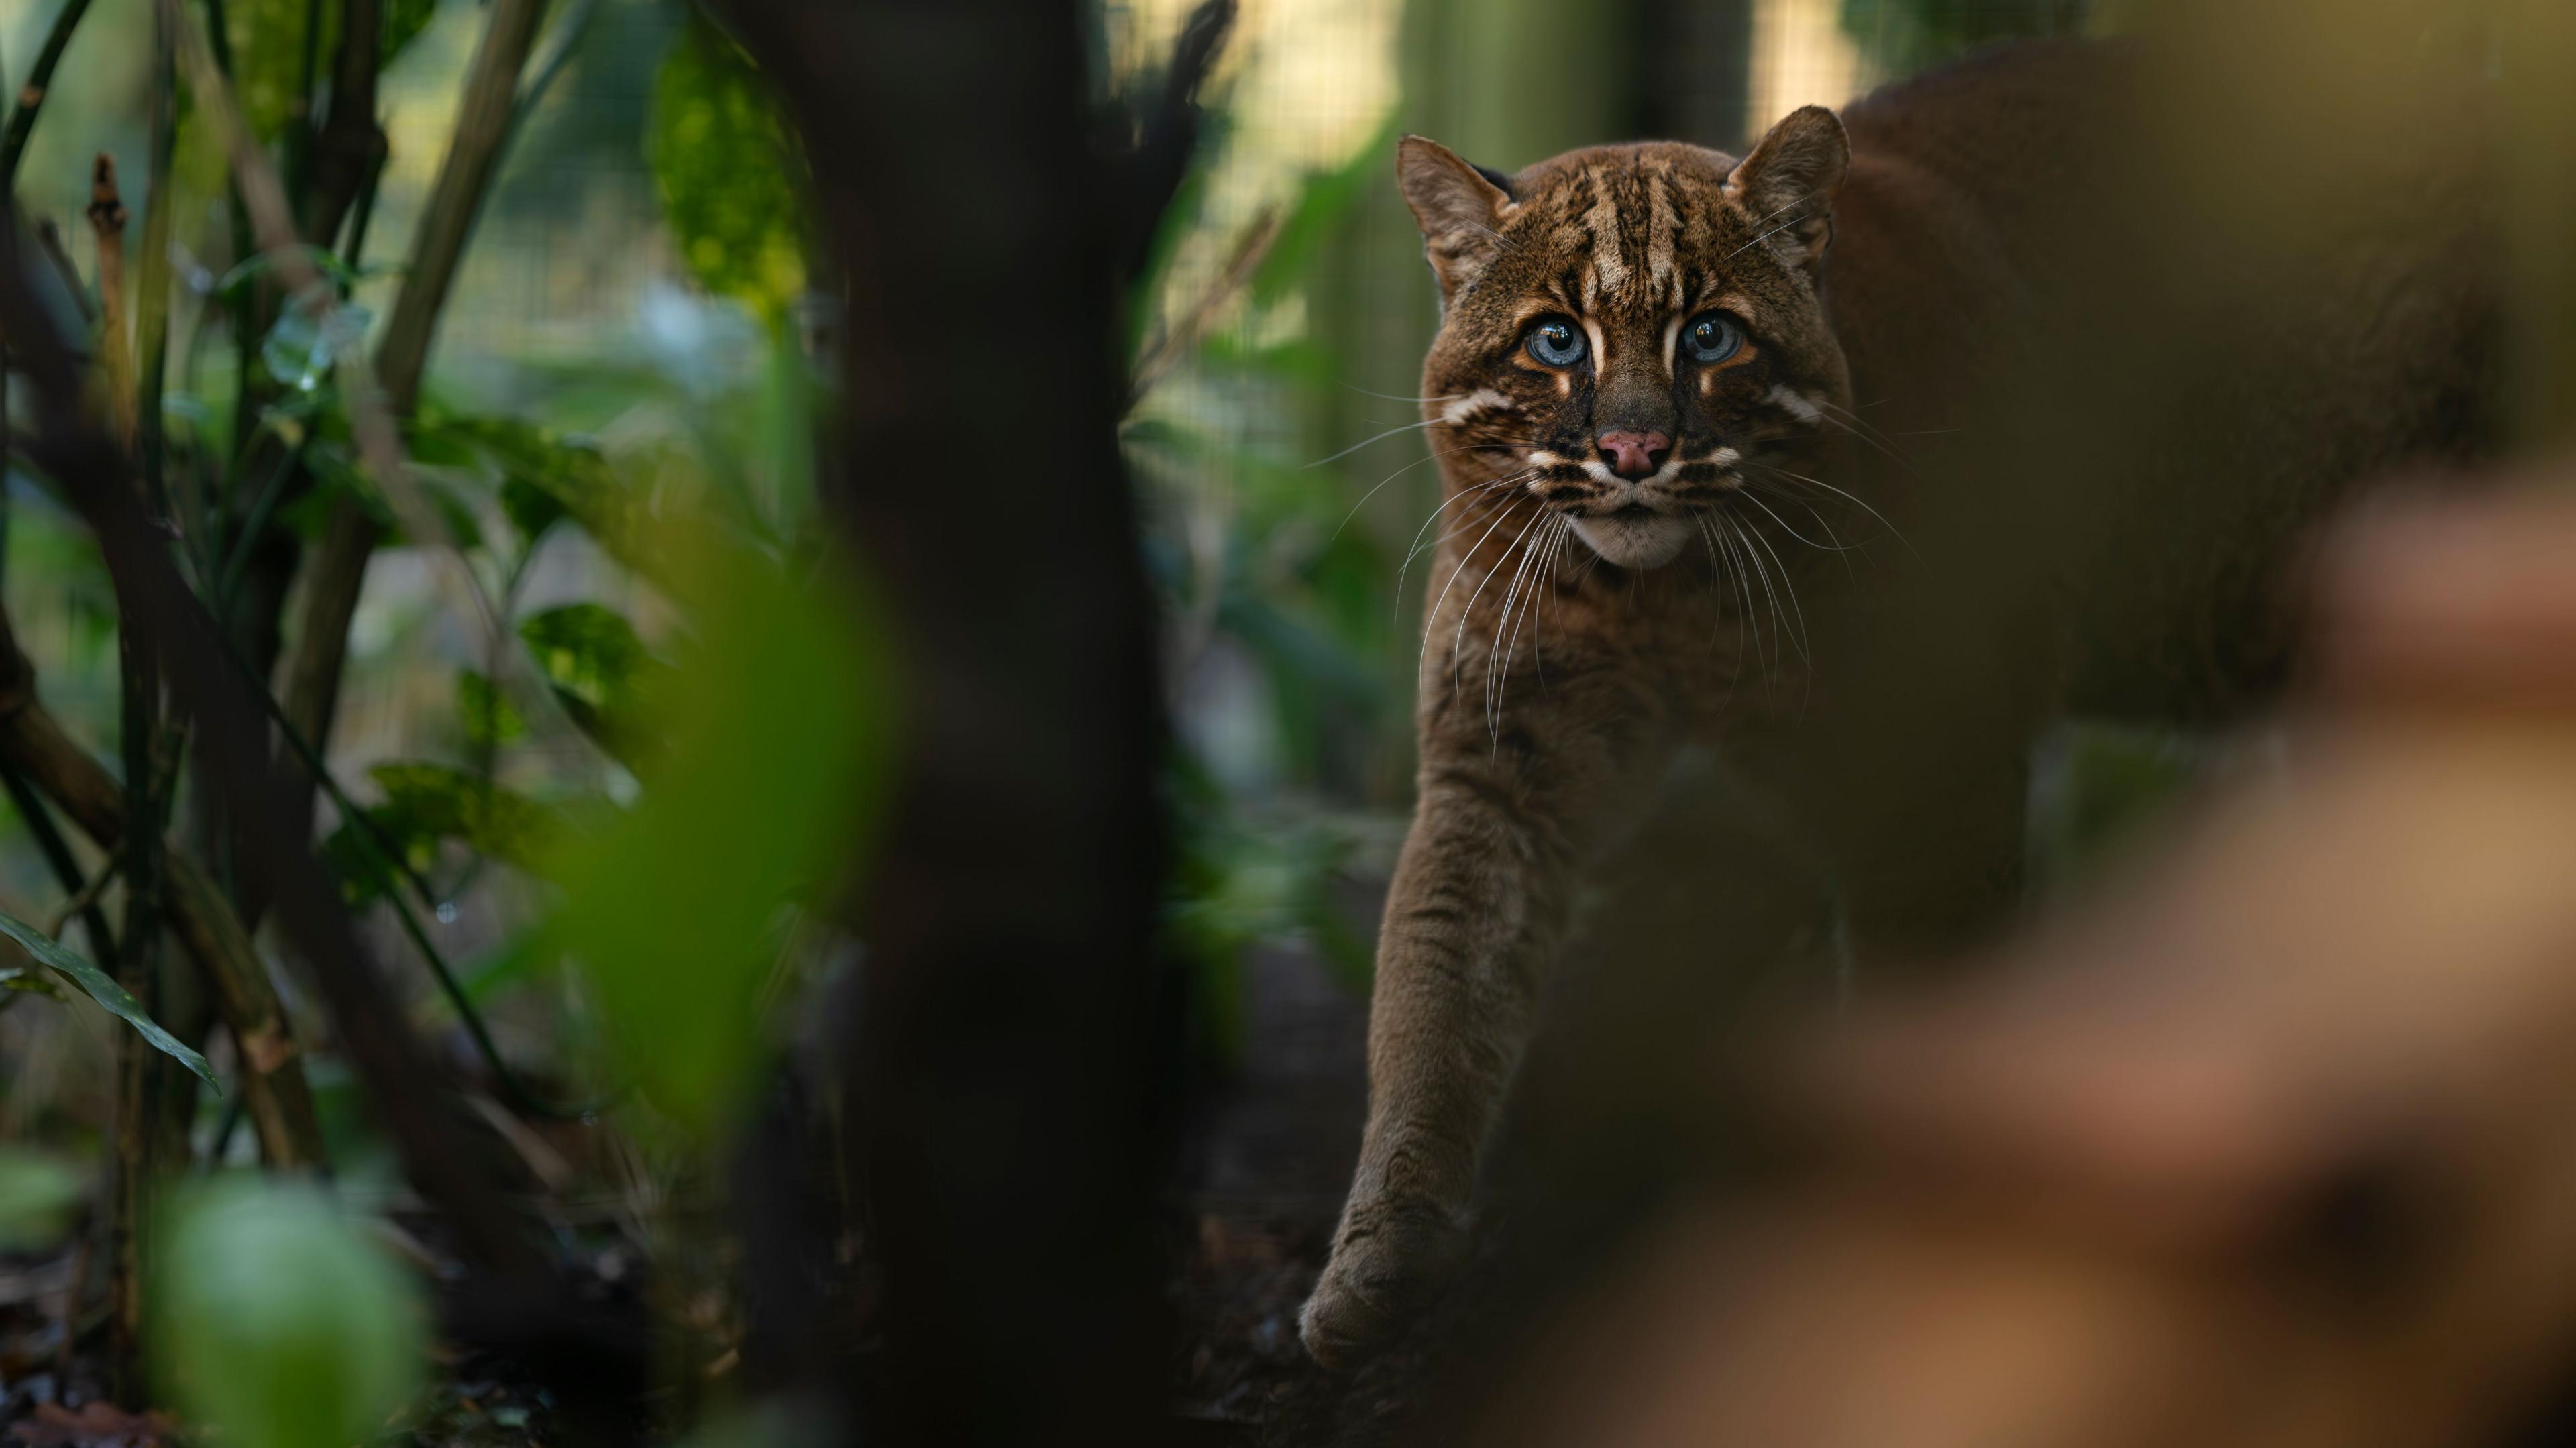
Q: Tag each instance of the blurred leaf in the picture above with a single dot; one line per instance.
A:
(232, 285)
(778, 725)
(1323, 201)
(544, 477)
(443, 802)
(489, 717)
(277, 1322)
(357, 860)
(268, 51)
(600, 669)
(24, 980)
(1906, 35)
(588, 650)
(514, 960)
(530, 509)
(1299, 360)
(728, 171)
(301, 348)
(96, 984)
(39, 1195)
(1181, 220)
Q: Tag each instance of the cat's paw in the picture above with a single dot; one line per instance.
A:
(1390, 1260)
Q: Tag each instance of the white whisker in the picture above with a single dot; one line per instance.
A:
(1458, 644)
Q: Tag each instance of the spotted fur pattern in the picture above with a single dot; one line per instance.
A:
(1562, 592)
(1587, 620)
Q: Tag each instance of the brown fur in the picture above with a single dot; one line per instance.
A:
(1557, 685)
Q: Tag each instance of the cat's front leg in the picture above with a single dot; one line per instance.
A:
(1474, 917)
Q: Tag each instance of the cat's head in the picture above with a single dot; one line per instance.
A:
(1625, 329)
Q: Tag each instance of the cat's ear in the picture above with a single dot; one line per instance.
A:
(1787, 185)
(1460, 206)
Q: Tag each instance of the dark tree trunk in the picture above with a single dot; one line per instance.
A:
(1015, 1035)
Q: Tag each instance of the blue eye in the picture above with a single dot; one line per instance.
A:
(1556, 342)
(1712, 337)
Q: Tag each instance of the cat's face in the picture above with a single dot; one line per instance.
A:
(1627, 329)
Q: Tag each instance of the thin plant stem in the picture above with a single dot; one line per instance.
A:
(31, 96)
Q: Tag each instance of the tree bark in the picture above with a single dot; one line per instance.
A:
(1016, 1036)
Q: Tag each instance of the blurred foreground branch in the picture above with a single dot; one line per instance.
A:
(1013, 1047)
(2271, 1149)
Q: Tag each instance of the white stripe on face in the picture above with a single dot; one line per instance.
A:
(1483, 399)
(1796, 406)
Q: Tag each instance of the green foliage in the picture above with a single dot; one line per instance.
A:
(427, 805)
(445, 802)
(278, 1323)
(1252, 551)
(599, 669)
(1905, 35)
(98, 986)
(1237, 883)
(235, 284)
(489, 718)
(543, 476)
(1323, 204)
(39, 1196)
(268, 50)
(729, 173)
(301, 348)
(777, 730)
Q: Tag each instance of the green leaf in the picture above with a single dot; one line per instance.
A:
(268, 51)
(587, 650)
(20, 980)
(779, 727)
(440, 801)
(490, 718)
(1323, 202)
(601, 671)
(301, 348)
(545, 477)
(280, 1322)
(530, 508)
(39, 1194)
(95, 983)
(729, 172)
(356, 853)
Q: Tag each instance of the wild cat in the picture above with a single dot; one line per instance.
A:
(1644, 396)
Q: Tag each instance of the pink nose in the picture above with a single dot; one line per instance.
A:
(1634, 454)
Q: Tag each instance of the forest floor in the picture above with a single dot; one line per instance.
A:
(1263, 1170)
(1262, 1180)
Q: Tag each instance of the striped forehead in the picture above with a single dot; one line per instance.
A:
(1622, 233)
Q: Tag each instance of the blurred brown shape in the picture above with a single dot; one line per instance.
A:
(2272, 1147)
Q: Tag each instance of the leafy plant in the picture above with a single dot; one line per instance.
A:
(100, 987)
(729, 173)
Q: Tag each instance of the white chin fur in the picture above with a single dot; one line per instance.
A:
(1635, 542)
